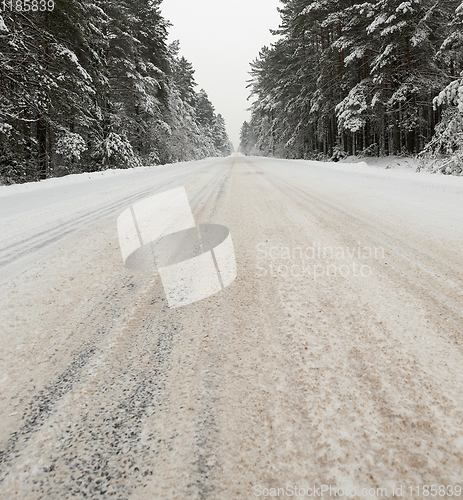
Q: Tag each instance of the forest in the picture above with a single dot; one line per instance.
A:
(348, 77)
(87, 85)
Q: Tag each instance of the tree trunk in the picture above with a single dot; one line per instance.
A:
(42, 171)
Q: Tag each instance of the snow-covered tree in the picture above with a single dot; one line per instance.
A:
(355, 75)
(448, 138)
(221, 140)
(93, 84)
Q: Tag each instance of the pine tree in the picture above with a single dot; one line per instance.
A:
(448, 139)
(354, 77)
(88, 86)
(221, 140)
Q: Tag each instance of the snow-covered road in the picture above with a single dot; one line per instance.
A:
(335, 358)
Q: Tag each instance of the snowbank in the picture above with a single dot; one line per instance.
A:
(69, 179)
(85, 177)
(399, 167)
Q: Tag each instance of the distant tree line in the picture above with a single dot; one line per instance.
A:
(378, 77)
(92, 84)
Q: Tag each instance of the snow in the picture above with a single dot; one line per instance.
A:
(388, 166)
(405, 7)
(356, 53)
(389, 186)
(35, 213)
(374, 25)
(389, 183)
(3, 25)
(326, 363)
(73, 58)
(71, 145)
(69, 180)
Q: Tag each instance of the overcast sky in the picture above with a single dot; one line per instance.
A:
(220, 38)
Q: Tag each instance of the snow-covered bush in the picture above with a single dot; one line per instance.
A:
(446, 147)
(70, 146)
(338, 153)
(153, 158)
(118, 153)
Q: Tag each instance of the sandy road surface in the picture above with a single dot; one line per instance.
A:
(335, 358)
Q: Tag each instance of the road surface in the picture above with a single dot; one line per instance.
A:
(334, 359)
